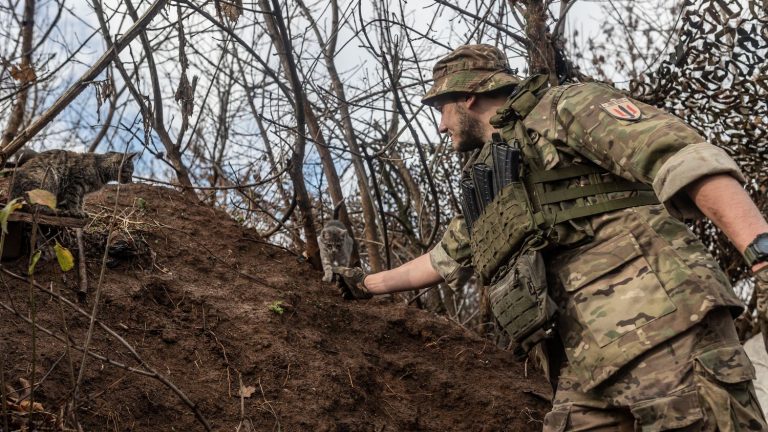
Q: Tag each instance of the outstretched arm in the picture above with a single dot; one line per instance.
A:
(415, 274)
(722, 199)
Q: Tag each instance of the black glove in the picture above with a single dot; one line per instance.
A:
(350, 283)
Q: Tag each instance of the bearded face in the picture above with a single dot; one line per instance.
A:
(460, 124)
(468, 133)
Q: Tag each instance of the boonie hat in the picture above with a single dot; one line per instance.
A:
(470, 69)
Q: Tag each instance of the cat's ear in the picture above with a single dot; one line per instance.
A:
(131, 156)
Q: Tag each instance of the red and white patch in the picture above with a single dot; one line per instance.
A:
(622, 109)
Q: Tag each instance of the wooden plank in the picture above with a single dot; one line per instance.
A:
(42, 219)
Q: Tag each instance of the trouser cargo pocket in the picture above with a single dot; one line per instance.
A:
(724, 379)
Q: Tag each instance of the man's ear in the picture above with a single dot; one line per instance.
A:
(471, 101)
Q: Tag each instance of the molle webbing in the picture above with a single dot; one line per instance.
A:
(588, 190)
(563, 173)
(544, 199)
(547, 220)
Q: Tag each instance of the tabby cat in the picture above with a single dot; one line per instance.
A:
(335, 245)
(70, 175)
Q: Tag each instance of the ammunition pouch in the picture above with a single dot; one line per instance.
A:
(520, 302)
(500, 230)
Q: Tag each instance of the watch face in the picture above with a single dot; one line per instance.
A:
(761, 244)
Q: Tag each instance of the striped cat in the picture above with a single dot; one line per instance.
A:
(70, 175)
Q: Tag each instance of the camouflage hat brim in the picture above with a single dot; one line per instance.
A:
(469, 81)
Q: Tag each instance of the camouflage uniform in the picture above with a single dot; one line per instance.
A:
(645, 316)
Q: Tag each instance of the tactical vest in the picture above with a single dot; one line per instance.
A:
(543, 206)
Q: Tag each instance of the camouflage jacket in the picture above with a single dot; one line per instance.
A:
(642, 276)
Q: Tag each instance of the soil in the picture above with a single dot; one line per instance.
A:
(248, 332)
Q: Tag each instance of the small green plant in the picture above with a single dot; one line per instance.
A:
(277, 307)
(141, 203)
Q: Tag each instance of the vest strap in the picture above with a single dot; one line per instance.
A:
(547, 220)
(543, 176)
(590, 190)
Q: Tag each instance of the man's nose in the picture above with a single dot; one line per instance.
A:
(442, 128)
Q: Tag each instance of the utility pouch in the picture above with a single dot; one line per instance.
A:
(521, 304)
(500, 230)
(469, 205)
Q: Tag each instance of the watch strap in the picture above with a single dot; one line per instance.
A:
(752, 255)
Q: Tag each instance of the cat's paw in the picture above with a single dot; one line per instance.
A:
(74, 214)
(328, 277)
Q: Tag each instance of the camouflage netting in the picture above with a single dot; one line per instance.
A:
(717, 80)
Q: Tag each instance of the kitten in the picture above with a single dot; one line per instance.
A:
(70, 175)
(335, 245)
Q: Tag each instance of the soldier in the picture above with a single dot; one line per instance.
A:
(634, 314)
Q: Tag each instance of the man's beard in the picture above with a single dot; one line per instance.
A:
(470, 133)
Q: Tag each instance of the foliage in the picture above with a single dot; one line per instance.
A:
(9, 208)
(276, 307)
(64, 257)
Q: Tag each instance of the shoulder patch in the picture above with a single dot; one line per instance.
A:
(622, 109)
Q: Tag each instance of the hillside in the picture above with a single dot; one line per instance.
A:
(208, 305)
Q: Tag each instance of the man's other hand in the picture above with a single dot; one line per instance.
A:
(350, 283)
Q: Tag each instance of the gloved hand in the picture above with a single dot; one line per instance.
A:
(761, 287)
(350, 283)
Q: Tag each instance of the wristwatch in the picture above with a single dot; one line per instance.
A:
(757, 251)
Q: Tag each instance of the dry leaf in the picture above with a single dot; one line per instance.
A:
(232, 9)
(23, 73)
(25, 406)
(42, 197)
(246, 391)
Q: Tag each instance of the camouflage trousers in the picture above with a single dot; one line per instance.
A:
(700, 380)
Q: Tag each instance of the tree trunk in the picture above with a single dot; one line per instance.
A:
(541, 54)
(369, 212)
(27, 73)
(334, 183)
(279, 35)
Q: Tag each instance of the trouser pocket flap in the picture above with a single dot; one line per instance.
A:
(669, 412)
(729, 365)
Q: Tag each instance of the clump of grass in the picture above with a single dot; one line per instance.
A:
(277, 307)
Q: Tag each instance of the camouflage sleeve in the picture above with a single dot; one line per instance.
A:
(452, 256)
(691, 163)
(635, 140)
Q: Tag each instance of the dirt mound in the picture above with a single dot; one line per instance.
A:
(248, 333)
